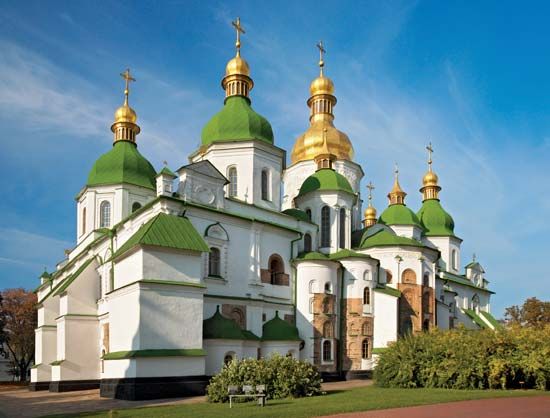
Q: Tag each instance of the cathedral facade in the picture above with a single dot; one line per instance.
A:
(237, 255)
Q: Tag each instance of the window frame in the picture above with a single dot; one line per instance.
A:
(105, 214)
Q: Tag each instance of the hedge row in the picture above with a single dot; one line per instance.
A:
(463, 359)
(283, 376)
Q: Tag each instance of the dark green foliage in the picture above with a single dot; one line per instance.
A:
(463, 359)
(283, 376)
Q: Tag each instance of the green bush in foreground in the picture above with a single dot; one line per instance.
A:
(463, 359)
(283, 376)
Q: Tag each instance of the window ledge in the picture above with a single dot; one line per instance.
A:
(215, 279)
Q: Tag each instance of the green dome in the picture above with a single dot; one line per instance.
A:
(399, 215)
(122, 164)
(220, 327)
(278, 329)
(435, 220)
(237, 121)
(325, 179)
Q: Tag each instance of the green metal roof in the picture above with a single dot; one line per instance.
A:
(475, 317)
(345, 253)
(166, 231)
(435, 220)
(237, 121)
(491, 319)
(122, 164)
(325, 179)
(384, 238)
(222, 328)
(69, 280)
(177, 352)
(399, 215)
(167, 171)
(388, 291)
(278, 329)
(297, 213)
(463, 280)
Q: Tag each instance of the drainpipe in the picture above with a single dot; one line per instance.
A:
(112, 233)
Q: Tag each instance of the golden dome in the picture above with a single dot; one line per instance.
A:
(237, 65)
(321, 85)
(430, 179)
(125, 114)
(313, 143)
(370, 212)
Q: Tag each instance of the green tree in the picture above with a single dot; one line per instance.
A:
(533, 313)
(17, 323)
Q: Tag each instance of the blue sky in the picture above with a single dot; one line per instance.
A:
(472, 77)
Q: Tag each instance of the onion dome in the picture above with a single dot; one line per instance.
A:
(325, 179)
(220, 327)
(397, 213)
(321, 102)
(386, 238)
(237, 121)
(123, 163)
(435, 220)
(278, 329)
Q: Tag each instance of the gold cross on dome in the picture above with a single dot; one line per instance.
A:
(128, 78)
(322, 51)
(238, 27)
(396, 171)
(430, 151)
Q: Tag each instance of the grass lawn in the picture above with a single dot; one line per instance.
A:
(352, 400)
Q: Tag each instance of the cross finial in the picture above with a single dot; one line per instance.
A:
(165, 163)
(396, 171)
(430, 151)
(474, 257)
(128, 78)
(238, 27)
(322, 51)
(371, 187)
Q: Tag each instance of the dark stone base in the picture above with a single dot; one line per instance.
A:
(35, 386)
(141, 388)
(72, 385)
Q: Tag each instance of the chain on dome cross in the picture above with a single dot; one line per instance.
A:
(239, 28)
(322, 51)
(128, 78)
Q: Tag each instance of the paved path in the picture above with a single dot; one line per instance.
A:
(528, 407)
(19, 402)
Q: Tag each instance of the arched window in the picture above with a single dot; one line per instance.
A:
(308, 213)
(228, 358)
(475, 303)
(328, 330)
(83, 221)
(426, 280)
(365, 349)
(276, 269)
(342, 228)
(327, 350)
(389, 276)
(104, 214)
(366, 275)
(214, 262)
(408, 276)
(265, 185)
(307, 243)
(135, 206)
(312, 286)
(325, 226)
(232, 175)
(454, 260)
(366, 296)
(328, 287)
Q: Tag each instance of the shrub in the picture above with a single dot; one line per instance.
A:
(465, 359)
(283, 376)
